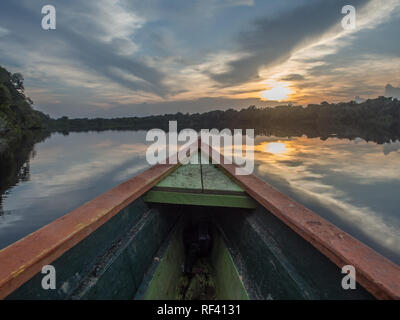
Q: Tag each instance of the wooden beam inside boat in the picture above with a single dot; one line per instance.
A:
(200, 199)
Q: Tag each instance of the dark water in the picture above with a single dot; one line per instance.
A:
(353, 184)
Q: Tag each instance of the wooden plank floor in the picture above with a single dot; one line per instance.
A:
(200, 184)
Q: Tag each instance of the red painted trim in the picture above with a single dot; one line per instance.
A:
(23, 259)
(377, 274)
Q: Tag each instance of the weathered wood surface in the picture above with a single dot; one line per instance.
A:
(111, 262)
(276, 263)
(186, 177)
(201, 176)
(201, 184)
(216, 181)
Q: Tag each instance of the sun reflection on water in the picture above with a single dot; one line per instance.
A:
(277, 148)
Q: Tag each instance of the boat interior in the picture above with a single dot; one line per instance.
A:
(193, 263)
(239, 254)
(183, 252)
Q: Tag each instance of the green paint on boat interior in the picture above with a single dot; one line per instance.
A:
(185, 177)
(228, 282)
(200, 199)
(214, 180)
(214, 277)
(161, 281)
(201, 185)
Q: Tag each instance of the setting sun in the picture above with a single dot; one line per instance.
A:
(277, 93)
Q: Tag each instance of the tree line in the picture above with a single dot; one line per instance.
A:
(375, 119)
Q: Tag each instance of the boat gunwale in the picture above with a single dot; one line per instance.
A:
(24, 258)
(377, 274)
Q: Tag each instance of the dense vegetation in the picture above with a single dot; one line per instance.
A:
(18, 120)
(16, 112)
(375, 119)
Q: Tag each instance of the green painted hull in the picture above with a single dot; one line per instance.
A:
(111, 261)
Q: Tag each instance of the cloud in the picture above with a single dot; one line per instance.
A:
(293, 77)
(94, 38)
(272, 40)
(343, 64)
(182, 10)
(3, 31)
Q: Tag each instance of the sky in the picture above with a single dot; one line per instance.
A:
(111, 58)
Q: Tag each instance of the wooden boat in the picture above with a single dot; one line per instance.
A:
(194, 232)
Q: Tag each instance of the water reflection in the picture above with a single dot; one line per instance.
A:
(15, 163)
(277, 148)
(391, 147)
(353, 184)
(67, 171)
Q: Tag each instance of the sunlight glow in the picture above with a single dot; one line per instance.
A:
(277, 93)
(275, 148)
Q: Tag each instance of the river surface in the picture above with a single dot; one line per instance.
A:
(352, 183)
